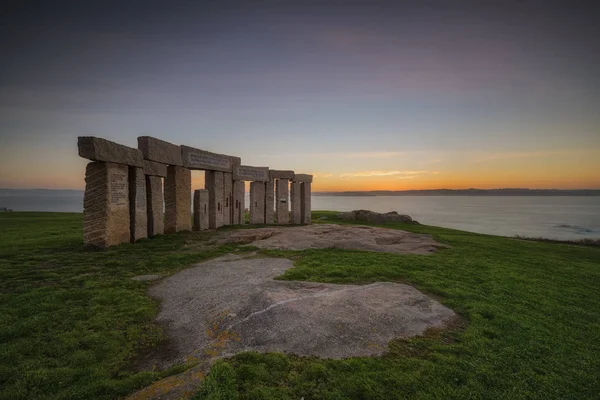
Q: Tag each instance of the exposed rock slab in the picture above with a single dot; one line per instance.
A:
(230, 305)
(326, 236)
(375, 217)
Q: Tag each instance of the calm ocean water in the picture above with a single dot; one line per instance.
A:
(565, 217)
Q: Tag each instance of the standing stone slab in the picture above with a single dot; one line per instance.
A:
(106, 205)
(282, 193)
(160, 151)
(295, 200)
(257, 202)
(154, 205)
(248, 173)
(200, 210)
(239, 203)
(205, 160)
(269, 202)
(281, 174)
(138, 216)
(305, 202)
(178, 188)
(213, 182)
(227, 198)
(98, 149)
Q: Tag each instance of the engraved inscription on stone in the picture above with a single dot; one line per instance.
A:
(247, 173)
(203, 159)
(118, 190)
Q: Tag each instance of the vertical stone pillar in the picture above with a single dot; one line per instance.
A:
(227, 198)
(138, 217)
(269, 199)
(257, 202)
(305, 202)
(281, 199)
(295, 200)
(214, 184)
(154, 205)
(106, 205)
(178, 189)
(239, 202)
(200, 210)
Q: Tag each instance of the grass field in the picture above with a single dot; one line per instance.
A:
(71, 321)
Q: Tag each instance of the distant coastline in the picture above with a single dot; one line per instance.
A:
(467, 192)
(370, 193)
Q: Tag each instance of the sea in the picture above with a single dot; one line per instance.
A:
(554, 217)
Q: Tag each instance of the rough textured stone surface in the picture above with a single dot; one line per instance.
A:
(248, 173)
(178, 189)
(305, 202)
(296, 203)
(229, 305)
(332, 236)
(239, 202)
(227, 198)
(303, 178)
(106, 205)
(98, 149)
(282, 208)
(213, 182)
(200, 210)
(155, 205)
(269, 202)
(160, 151)
(138, 214)
(281, 174)
(206, 160)
(374, 217)
(155, 169)
(257, 203)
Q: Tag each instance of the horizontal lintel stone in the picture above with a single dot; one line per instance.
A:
(281, 174)
(248, 173)
(152, 168)
(98, 149)
(303, 178)
(160, 151)
(205, 160)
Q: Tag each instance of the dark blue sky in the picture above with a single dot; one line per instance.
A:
(365, 94)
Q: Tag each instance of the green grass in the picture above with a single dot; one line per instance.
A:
(71, 320)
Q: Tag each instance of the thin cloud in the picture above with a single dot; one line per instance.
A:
(345, 155)
(321, 175)
(524, 154)
(366, 174)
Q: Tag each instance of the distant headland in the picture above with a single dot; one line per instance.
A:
(467, 192)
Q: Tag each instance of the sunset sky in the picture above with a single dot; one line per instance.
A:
(364, 95)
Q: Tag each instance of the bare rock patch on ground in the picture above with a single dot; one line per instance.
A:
(232, 304)
(326, 236)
